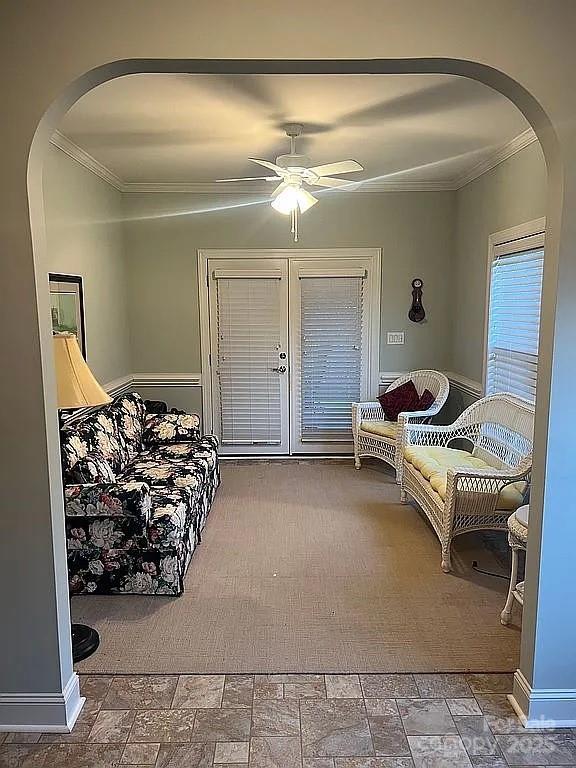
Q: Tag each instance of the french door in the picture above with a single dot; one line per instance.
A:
(293, 342)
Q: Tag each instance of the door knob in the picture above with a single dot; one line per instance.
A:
(281, 369)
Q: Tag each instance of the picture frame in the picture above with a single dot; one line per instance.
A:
(67, 306)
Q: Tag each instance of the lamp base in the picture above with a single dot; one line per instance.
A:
(85, 641)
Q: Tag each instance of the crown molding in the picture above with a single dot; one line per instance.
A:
(499, 155)
(82, 157)
(249, 188)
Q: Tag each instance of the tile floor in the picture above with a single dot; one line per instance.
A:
(293, 721)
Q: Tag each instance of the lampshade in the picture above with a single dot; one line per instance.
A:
(77, 387)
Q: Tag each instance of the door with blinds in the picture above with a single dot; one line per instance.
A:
(330, 350)
(514, 316)
(293, 343)
(249, 351)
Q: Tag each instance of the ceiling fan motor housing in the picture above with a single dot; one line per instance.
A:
(293, 160)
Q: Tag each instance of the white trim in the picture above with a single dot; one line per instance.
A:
(457, 381)
(499, 155)
(203, 256)
(465, 385)
(118, 386)
(509, 235)
(82, 157)
(167, 379)
(262, 188)
(544, 707)
(42, 712)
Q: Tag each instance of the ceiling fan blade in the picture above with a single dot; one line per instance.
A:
(267, 164)
(248, 178)
(344, 166)
(326, 181)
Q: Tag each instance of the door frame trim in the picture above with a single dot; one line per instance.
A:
(204, 254)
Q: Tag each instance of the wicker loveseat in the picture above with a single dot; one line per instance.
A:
(374, 436)
(138, 490)
(474, 489)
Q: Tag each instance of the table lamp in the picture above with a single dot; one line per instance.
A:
(77, 388)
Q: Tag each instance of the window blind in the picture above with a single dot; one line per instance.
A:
(514, 322)
(249, 335)
(331, 355)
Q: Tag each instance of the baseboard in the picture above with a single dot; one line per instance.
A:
(42, 712)
(544, 707)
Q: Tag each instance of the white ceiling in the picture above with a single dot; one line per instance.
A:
(198, 128)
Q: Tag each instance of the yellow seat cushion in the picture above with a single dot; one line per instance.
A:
(434, 462)
(381, 428)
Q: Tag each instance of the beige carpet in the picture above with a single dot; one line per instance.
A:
(311, 567)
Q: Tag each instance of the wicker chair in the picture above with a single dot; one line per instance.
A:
(472, 491)
(374, 436)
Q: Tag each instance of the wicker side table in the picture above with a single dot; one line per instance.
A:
(517, 539)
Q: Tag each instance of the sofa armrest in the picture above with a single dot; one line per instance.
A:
(107, 500)
(165, 428)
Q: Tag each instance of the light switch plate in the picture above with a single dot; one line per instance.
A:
(395, 337)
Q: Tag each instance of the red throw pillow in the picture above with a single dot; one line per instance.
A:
(426, 400)
(403, 398)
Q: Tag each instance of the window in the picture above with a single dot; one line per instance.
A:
(516, 268)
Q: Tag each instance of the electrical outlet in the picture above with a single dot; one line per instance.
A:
(395, 337)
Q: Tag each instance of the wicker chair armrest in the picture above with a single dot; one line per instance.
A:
(478, 490)
(368, 411)
(415, 416)
(505, 476)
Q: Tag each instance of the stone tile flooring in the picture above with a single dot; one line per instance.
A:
(293, 721)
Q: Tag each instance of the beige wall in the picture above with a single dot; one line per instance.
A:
(84, 236)
(162, 235)
(512, 193)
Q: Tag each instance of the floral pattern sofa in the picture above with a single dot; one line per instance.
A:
(138, 490)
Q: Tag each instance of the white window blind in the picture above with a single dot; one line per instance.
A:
(249, 335)
(331, 355)
(514, 320)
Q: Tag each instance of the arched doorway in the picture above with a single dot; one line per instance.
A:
(533, 111)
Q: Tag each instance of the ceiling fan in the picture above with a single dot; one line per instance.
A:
(293, 172)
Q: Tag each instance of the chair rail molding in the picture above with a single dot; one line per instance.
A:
(124, 383)
(50, 712)
(167, 379)
(457, 381)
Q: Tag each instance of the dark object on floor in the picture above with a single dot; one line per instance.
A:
(85, 641)
(417, 312)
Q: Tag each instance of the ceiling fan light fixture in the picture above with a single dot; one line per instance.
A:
(292, 198)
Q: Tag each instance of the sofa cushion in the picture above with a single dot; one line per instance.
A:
(433, 463)
(382, 428)
(399, 400)
(161, 471)
(129, 414)
(429, 459)
(171, 428)
(93, 468)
